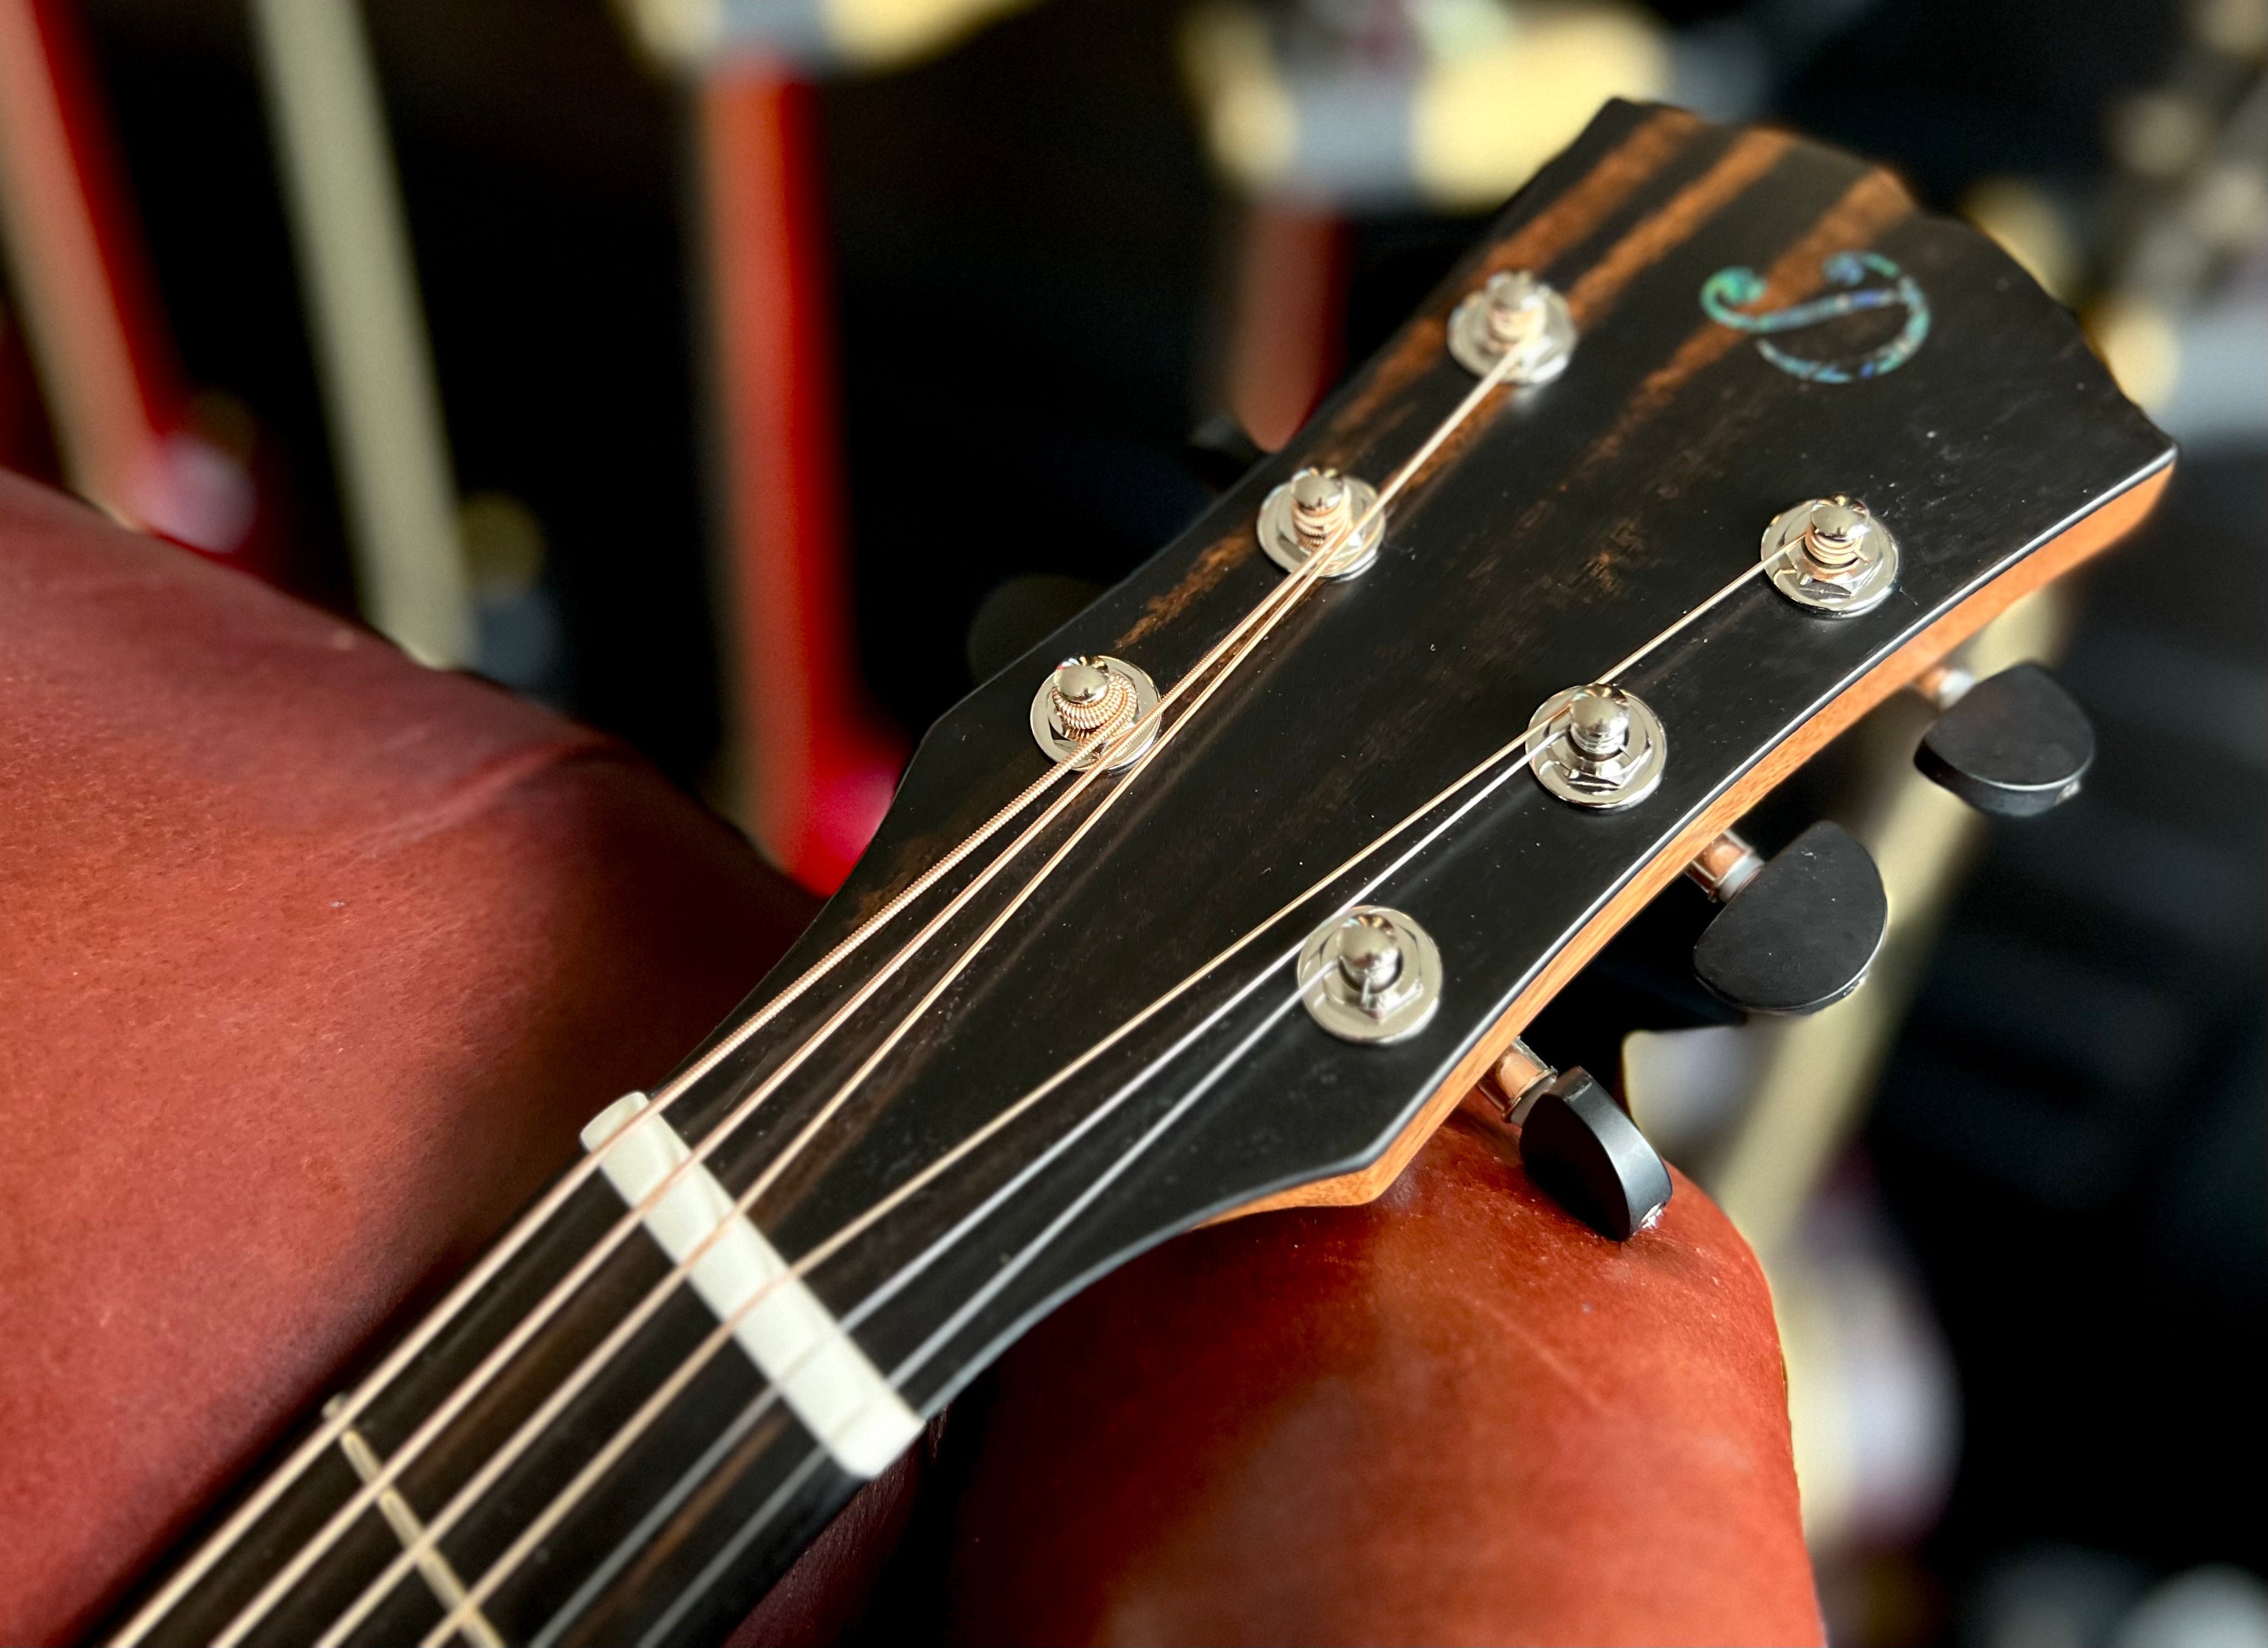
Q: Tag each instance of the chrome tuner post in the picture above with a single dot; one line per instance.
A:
(1597, 747)
(1579, 1146)
(1515, 313)
(1831, 556)
(1301, 515)
(1371, 975)
(1085, 704)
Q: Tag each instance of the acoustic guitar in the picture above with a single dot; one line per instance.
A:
(1221, 898)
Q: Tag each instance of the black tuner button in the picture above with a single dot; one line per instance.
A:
(1795, 934)
(2014, 744)
(1577, 1144)
(1220, 452)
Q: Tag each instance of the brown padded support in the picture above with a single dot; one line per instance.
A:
(316, 961)
(1452, 1415)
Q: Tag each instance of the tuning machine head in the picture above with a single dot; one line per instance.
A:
(1513, 313)
(1579, 1145)
(1371, 975)
(2015, 744)
(1597, 747)
(1797, 933)
(1321, 510)
(1088, 706)
(1831, 556)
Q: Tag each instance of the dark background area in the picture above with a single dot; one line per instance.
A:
(1030, 251)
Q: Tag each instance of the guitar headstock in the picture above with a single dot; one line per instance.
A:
(1103, 994)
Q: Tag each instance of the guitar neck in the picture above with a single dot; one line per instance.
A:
(1054, 1017)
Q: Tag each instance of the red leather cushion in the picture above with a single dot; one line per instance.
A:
(316, 961)
(1454, 1416)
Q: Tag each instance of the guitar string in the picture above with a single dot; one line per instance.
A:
(240, 1522)
(342, 1418)
(1278, 600)
(913, 1269)
(564, 1290)
(656, 1403)
(687, 1482)
(1259, 623)
(595, 1362)
(731, 1552)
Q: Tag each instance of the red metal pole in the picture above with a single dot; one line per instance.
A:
(1285, 331)
(114, 387)
(820, 764)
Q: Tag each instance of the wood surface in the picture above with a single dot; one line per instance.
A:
(2051, 561)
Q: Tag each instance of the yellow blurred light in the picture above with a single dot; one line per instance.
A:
(2137, 340)
(2029, 229)
(1483, 123)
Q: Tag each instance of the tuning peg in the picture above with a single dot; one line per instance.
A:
(1220, 452)
(2014, 744)
(1577, 1145)
(1795, 934)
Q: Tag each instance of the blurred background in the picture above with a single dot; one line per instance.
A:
(748, 376)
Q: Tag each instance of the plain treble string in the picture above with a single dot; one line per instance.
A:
(690, 1480)
(1279, 602)
(1263, 617)
(341, 1418)
(531, 1428)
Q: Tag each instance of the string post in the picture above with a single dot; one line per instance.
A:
(1370, 956)
(1320, 511)
(1516, 308)
(1319, 506)
(1832, 555)
(1597, 746)
(1516, 325)
(1597, 724)
(1088, 707)
(1371, 975)
(1834, 536)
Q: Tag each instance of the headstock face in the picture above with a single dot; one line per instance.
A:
(1561, 527)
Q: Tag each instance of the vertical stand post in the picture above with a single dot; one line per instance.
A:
(361, 292)
(819, 765)
(1287, 318)
(113, 387)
